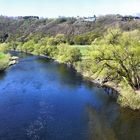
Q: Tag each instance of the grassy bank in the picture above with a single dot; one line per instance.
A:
(4, 61)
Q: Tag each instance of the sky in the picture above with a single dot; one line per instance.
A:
(55, 8)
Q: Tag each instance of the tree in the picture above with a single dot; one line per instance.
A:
(81, 40)
(120, 59)
(60, 38)
(68, 54)
(52, 41)
(37, 49)
(28, 47)
(49, 51)
(113, 36)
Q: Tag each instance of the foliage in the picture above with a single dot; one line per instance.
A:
(4, 61)
(49, 51)
(116, 58)
(22, 29)
(60, 38)
(68, 54)
(28, 47)
(112, 36)
(119, 59)
(85, 39)
(129, 98)
(52, 41)
(4, 47)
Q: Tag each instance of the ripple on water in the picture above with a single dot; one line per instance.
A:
(37, 129)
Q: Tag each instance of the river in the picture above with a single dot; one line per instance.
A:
(43, 100)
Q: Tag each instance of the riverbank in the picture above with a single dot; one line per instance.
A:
(13, 60)
(6, 60)
(125, 95)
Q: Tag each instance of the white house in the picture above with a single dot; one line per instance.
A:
(89, 19)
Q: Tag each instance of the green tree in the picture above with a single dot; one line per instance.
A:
(60, 38)
(28, 47)
(119, 60)
(68, 54)
(113, 36)
(52, 41)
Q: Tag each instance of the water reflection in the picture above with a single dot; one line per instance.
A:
(99, 128)
(127, 125)
(113, 126)
(2, 75)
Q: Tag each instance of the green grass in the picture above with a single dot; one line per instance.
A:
(4, 61)
(2, 55)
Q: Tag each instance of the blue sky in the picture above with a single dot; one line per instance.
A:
(55, 8)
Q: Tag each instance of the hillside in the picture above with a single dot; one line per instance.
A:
(22, 28)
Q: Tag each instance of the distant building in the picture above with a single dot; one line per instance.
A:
(87, 19)
(90, 19)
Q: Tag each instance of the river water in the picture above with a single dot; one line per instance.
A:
(43, 100)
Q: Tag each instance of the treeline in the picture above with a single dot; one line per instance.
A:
(75, 31)
(61, 51)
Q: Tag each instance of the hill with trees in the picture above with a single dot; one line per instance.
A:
(75, 30)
